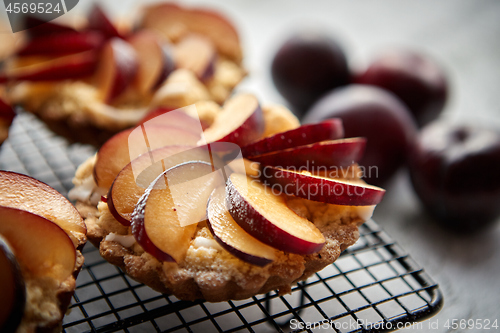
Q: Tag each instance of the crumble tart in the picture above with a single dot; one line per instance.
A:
(207, 270)
(71, 92)
(46, 240)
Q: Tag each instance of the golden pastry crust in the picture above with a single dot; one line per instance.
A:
(278, 119)
(210, 272)
(48, 301)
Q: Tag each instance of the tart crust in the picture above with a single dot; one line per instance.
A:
(208, 272)
(47, 301)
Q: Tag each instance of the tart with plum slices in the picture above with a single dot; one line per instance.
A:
(95, 78)
(41, 237)
(254, 203)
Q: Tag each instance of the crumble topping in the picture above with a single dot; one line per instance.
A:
(47, 300)
(181, 88)
(277, 119)
(227, 75)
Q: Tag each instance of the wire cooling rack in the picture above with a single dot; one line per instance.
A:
(373, 286)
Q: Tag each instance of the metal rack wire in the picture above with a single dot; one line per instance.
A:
(373, 286)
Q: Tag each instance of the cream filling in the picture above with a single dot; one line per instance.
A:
(87, 191)
(207, 243)
(365, 212)
(125, 240)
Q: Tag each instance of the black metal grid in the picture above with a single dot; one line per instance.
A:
(373, 283)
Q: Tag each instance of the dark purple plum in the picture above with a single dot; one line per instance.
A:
(306, 66)
(455, 172)
(415, 78)
(380, 117)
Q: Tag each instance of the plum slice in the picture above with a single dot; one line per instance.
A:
(330, 129)
(132, 181)
(24, 192)
(196, 53)
(42, 247)
(155, 58)
(125, 146)
(174, 118)
(166, 216)
(323, 189)
(240, 122)
(263, 213)
(231, 236)
(63, 44)
(325, 154)
(117, 69)
(72, 66)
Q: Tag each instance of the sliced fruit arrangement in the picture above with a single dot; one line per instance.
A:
(174, 20)
(40, 242)
(156, 60)
(135, 177)
(82, 49)
(132, 181)
(118, 58)
(41, 245)
(24, 192)
(323, 189)
(330, 129)
(324, 154)
(240, 122)
(118, 151)
(117, 73)
(231, 236)
(265, 215)
(166, 216)
(161, 192)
